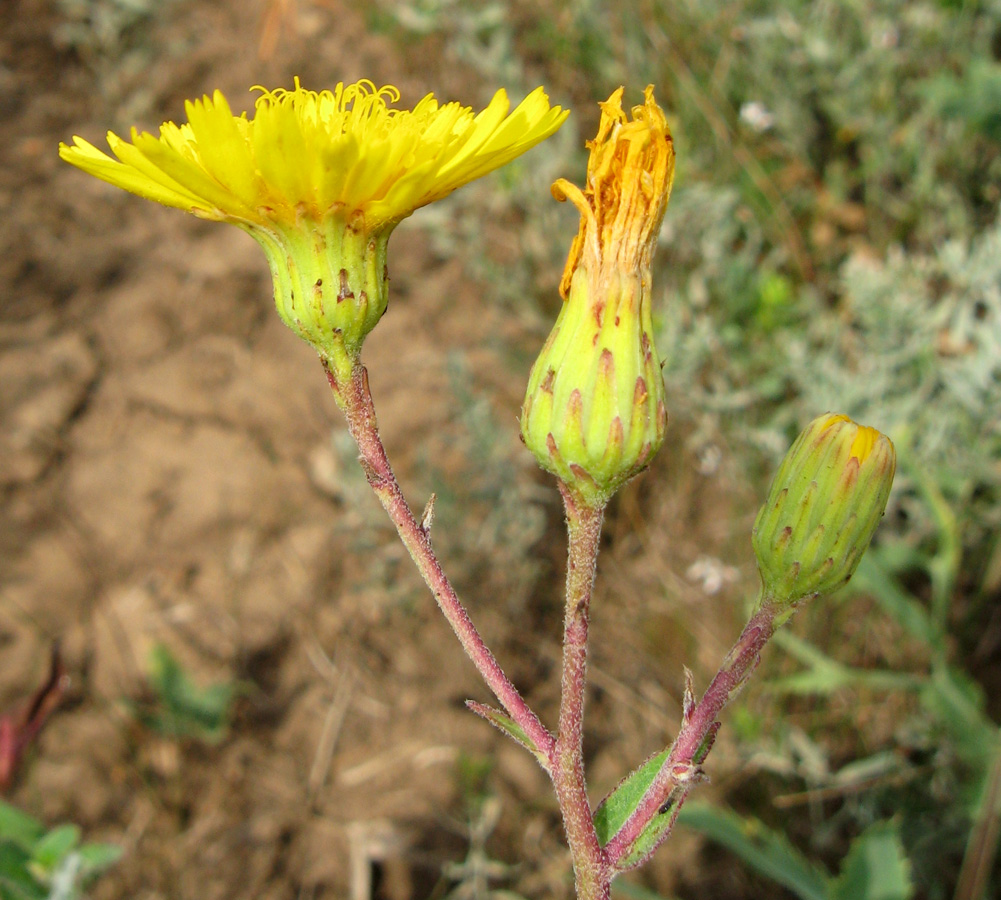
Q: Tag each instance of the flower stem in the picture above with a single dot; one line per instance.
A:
(584, 533)
(681, 770)
(355, 401)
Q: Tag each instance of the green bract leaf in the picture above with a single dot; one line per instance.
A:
(616, 808)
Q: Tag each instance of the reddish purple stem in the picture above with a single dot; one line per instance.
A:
(355, 401)
(593, 879)
(697, 727)
(19, 729)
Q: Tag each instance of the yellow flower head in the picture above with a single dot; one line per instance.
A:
(594, 412)
(320, 180)
(306, 154)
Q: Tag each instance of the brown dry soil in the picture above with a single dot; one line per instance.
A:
(170, 473)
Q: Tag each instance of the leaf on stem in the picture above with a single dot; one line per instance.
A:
(614, 811)
(511, 728)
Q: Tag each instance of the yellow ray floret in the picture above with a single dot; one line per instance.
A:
(308, 155)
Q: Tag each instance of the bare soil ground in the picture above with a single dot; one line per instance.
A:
(169, 474)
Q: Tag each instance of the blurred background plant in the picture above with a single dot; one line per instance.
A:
(41, 864)
(111, 37)
(874, 869)
(179, 709)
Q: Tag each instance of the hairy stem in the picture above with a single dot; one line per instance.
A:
(355, 401)
(698, 729)
(584, 533)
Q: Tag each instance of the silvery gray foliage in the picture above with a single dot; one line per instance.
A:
(918, 348)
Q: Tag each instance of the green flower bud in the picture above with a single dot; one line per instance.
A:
(594, 412)
(822, 509)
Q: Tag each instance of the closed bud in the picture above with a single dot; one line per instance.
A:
(822, 509)
(594, 412)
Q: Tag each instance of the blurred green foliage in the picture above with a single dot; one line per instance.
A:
(178, 708)
(103, 28)
(112, 39)
(874, 869)
(41, 864)
(475, 876)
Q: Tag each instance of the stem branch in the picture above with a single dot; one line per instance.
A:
(698, 728)
(355, 401)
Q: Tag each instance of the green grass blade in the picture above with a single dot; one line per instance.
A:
(764, 850)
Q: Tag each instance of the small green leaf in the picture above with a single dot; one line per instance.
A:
(16, 881)
(183, 708)
(34, 863)
(98, 857)
(55, 845)
(875, 868)
(19, 827)
(511, 728)
(768, 852)
(616, 808)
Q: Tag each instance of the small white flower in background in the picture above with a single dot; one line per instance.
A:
(756, 115)
(709, 460)
(711, 574)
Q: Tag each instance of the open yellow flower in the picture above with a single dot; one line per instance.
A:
(594, 412)
(320, 179)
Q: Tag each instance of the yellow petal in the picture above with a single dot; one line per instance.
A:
(87, 157)
(222, 149)
(216, 197)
